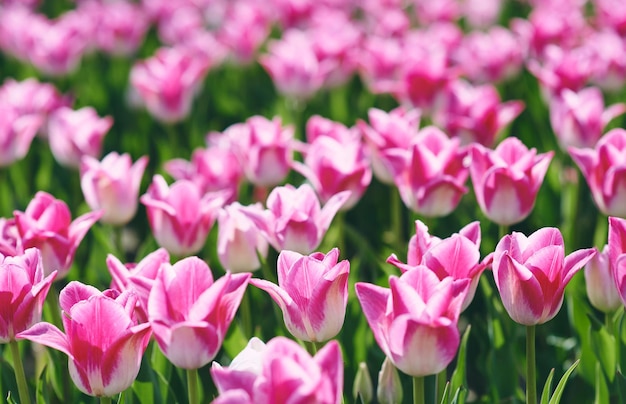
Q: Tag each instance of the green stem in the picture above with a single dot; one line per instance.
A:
(246, 316)
(105, 400)
(396, 219)
(442, 379)
(608, 322)
(192, 385)
(531, 377)
(418, 390)
(20, 376)
(503, 230)
(311, 347)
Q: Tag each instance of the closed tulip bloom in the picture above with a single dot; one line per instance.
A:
(23, 290)
(617, 254)
(281, 372)
(17, 131)
(600, 285)
(294, 219)
(604, 169)
(531, 273)
(179, 215)
(312, 292)
(190, 312)
(506, 180)
(415, 321)
(32, 97)
(102, 340)
(76, 133)
(47, 224)
(112, 185)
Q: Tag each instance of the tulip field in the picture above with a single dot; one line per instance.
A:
(312, 201)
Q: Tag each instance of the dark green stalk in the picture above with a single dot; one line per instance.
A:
(418, 390)
(20, 376)
(192, 386)
(531, 375)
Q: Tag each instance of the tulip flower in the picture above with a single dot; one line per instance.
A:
(112, 185)
(102, 340)
(239, 241)
(415, 321)
(600, 284)
(531, 273)
(294, 219)
(604, 169)
(431, 174)
(180, 217)
(617, 259)
(74, 134)
(312, 292)
(17, 131)
(190, 312)
(47, 224)
(32, 97)
(281, 372)
(506, 180)
(121, 26)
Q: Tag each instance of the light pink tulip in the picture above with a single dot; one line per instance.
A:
(563, 68)
(112, 185)
(190, 312)
(102, 340)
(531, 273)
(294, 219)
(600, 285)
(506, 180)
(456, 256)
(428, 12)
(611, 13)
(137, 277)
(121, 26)
(16, 134)
(281, 372)
(318, 126)
(167, 82)
(32, 97)
(604, 169)
(23, 290)
(617, 254)
(180, 216)
(415, 321)
(47, 224)
(608, 50)
(239, 240)
(312, 292)
(430, 174)
(578, 119)
(482, 13)
(76, 133)
(10, 241)
(245, 27)
(379, 60)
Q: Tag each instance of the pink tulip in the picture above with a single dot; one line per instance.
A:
(617, 257)
(179, 215)
(604, 169)
(430, 174)
(415, 321)
(23, 290)
(281, 372)
(17, 131)
(47, 224)
(190, 313)
(611, 13)
(10, 242)
(77, 133)
(32, 97)
(531, 273)
(245, 27)
(608, 50)
(294, 219)
(112, 185)
(312, 292)
(600, 285)
(563, 68)
(379, 61)
(102, 340)
(578, 119)
(456, 256)
(168, 81)
(482, 13)
(137, 277)
(239, 241)
(506, 180)
(121, 26)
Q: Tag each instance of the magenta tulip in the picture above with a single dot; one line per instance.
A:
(312, 292)
(531, 273)
(190, 313)
(415, 321)
(102, 340)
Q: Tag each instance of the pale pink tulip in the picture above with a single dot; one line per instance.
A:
(617, 254)
(506, 180)
(415, 321)
(604, 169)
(112, 185)
(17, 131)
(281, 372)
(312, 292)
(121, 26)
(600, 285)
(563, 68)
(190, 312)
(102, 340)
(531, 273)
(294, 219)
(611, 13)
(32, 97)
(23, 290)
(180, 216)
(379, 61)
(239, 241)
(47, 224)
(10, 242)
(245, 26)
(77, 133)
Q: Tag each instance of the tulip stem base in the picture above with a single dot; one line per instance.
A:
(192, 386)
(20, 376)
(105, 400)
(531, 376)
(418, 390)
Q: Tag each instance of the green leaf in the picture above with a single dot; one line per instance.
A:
(545, 395)
(556, 397)
(459, 378)
(603, 345)
(446, 393)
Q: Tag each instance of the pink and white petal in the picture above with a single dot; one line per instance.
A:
(76, 292)
(373, 301)
(521, 293)
(49, 335)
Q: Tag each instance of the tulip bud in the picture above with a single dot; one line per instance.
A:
(362, 384)
(389, 390)
(601, 288)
